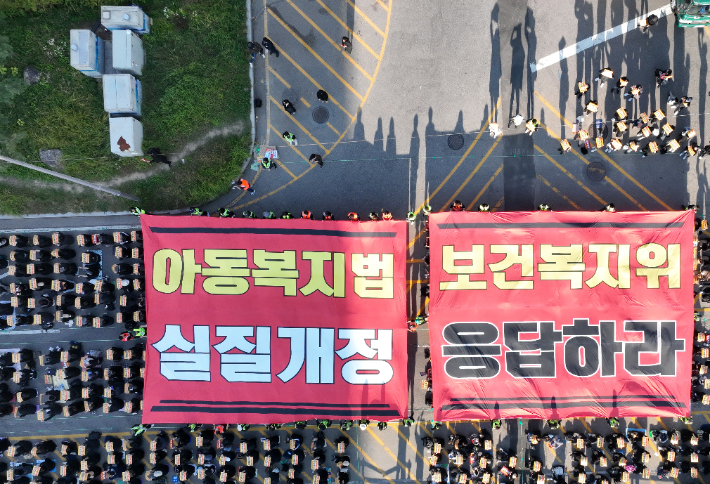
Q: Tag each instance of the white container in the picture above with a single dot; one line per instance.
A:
(86, 52)
(129, 17)
(122, 94)
(126, 136)
(128, 54)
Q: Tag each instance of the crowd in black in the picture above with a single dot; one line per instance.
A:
(61, 279)
(211, 455)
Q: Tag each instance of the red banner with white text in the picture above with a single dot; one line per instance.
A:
(270, 321)
(550, 315)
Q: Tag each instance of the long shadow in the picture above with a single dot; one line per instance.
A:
(531, 40)
(564, 85)
(495, 73)
(517, 70)
(701, 198)
(584, 13)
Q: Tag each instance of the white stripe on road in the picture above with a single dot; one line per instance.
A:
(597, 39)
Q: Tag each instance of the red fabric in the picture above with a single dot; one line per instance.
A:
(527, 383)
(312, 323)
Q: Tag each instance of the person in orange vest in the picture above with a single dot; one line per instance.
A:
(242, 184)
(353, 216)
(328, 216)
(306, 214)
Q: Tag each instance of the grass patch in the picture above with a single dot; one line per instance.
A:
(195, 79)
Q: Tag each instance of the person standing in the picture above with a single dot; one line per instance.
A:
(516, 120)
(290, 137)
(620, 85)
(346, 45)
(288, 106)
(582, 88)
(648, 22)
(604, 75)
(322, 96)
(269, 46)
(662, 77)
(635, 92)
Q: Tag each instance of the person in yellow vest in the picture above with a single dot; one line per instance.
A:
(531, 126)
(591, 107)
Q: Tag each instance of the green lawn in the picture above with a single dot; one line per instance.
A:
(195, 79)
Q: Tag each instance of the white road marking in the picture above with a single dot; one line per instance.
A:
(597, 39)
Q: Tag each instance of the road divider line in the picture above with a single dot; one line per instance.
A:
(607, 158)
(327, 37)
(558, 192)
(315, 54)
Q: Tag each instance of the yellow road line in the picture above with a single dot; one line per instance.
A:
(367, 19)
(308, 76)
(350, 31)
(331, 127)
(283, 165)
(314, 54)
(399, 463)
(327, 37)
(351, 467)
(352, 118)
(441, 185)
(412, 446)
(387, 8)
(308, 105)
(293, 118)
(485, 187)
(352, 442)
(608, 179)
(418, 281)
(272, 191)
(280, 78)
(475, 170)
(500, 202)
(597, 197)
(604, 155)
(415, 261)
(244, 192)
(558, 192)
(424, 304)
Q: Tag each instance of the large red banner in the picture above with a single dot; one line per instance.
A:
(553, 315)
(269, 321)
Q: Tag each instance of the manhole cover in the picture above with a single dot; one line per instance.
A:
(456, 141)
(596, 171)
(599, 129)
(321, 115)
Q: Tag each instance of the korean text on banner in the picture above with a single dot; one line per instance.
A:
(552, 315)
(253, 321)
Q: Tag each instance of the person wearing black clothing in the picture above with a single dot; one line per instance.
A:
(269, 46)
(26, 409)
(26, 394)
(318, 442)
(157, 156)
(44, 447)
(181, 437)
